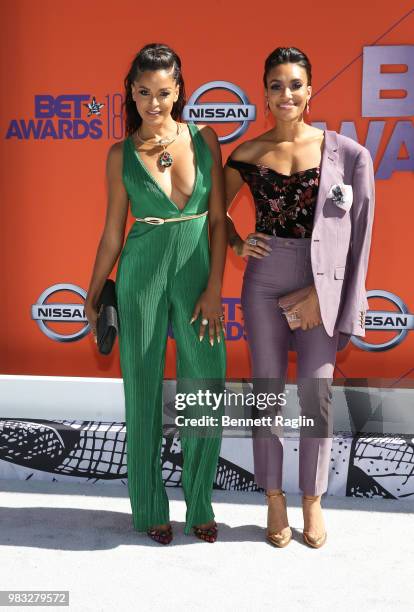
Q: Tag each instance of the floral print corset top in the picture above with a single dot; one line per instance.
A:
(285, 205)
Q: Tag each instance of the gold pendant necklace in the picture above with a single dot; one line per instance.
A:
(165, 159)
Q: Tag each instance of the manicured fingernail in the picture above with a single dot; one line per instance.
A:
(218, 339)
(192, 320)
(211, 341)
(201, 337)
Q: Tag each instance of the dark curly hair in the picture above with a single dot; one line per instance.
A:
(154, 56)
(283, 55)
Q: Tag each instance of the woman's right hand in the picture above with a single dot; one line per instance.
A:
(243, 248)
(91, 314)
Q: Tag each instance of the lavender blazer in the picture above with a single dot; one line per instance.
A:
(341, 238)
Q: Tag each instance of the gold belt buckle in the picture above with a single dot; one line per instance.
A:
(154, 220)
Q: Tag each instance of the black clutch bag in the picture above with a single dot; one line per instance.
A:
(107, 321)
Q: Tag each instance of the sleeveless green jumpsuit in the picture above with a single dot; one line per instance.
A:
(161, 273)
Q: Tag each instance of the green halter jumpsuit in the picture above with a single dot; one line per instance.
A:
(161, 273)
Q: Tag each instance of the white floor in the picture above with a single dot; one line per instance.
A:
(80, 538)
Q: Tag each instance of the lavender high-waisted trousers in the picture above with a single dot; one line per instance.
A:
(285, 269)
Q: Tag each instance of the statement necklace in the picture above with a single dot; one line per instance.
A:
(165, 159)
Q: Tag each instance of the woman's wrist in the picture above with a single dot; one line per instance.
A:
(236, 243)
(91, 301)
(214, 286)
(233, 238)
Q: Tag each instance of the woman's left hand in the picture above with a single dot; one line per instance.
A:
(210, 308)
(308, 310)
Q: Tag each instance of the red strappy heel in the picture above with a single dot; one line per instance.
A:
(207, 535)
(162, 536)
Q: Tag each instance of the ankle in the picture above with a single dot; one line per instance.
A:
(207, 525)
(161, 527)
(311, 498)
(274, 493)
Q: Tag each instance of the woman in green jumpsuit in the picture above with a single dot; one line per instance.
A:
(162, 272)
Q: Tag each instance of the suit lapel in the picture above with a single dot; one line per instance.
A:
(328, 173)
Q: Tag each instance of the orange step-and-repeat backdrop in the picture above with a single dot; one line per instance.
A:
(63, 66)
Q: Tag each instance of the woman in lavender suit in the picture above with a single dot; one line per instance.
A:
(314, 196)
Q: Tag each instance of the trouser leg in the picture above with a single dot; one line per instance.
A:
(315, 365)
(143, 321)
(268, 340)
(200, 366)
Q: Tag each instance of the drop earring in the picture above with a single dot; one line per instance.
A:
(307, 106)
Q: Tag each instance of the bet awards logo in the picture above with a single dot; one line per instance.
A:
(70, 117)
(400, 322)
(221, 112)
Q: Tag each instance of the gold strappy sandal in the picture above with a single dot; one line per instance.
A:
(312, 541)
(283, 537)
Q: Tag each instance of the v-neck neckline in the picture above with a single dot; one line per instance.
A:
(156, 183)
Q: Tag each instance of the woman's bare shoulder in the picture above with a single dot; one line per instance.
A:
(116, 152)
(115, 158)
(248, 151)
(117, 149)
(208, 133)
(211, 139)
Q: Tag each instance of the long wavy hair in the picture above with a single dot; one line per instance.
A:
(154, 56)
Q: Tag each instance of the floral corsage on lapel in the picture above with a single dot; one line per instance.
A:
(341, 195)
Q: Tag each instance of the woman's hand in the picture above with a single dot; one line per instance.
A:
(91, 314)
(209, 305)
(308, 310)
(253, 245)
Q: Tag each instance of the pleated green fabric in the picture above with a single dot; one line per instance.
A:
(161, 273)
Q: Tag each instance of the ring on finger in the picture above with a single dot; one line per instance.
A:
(204, 322)
(252, 241)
